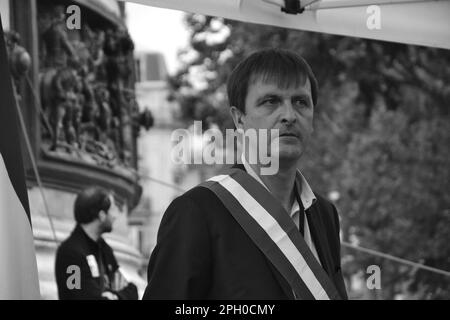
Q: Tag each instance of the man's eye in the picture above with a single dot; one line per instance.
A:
(301, 102)
(271, 101)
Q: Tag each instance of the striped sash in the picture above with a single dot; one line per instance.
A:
(268, 224)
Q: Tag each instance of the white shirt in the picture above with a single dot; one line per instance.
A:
(306, 196)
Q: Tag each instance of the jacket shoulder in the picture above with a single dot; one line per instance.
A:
(200, 194)
(198, 204)
(324, 203)
(73, 246)
(188, 206)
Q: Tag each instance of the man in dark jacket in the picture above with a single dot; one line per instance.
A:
(247, 235)
(86, 267)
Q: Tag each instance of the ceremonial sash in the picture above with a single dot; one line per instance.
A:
(270, 227)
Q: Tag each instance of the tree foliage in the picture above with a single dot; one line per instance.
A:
(381, 138)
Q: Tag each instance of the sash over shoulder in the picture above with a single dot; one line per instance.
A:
(269, 226)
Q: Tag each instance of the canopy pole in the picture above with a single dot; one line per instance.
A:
(318, 5)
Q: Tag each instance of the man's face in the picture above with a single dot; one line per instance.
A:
(290, 110)
(111, 216)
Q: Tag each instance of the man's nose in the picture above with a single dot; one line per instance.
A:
(288, 112)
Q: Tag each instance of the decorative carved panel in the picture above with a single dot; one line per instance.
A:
(87, 89)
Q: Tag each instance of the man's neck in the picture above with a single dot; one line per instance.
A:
(92, 231)
(281, 185)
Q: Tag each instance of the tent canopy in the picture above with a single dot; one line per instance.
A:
(418, 22)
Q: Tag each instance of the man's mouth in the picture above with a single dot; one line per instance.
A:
(289, 134)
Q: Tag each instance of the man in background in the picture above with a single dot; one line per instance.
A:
(86, 267)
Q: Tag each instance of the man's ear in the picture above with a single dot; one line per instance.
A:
(101, 215)
(237, 116)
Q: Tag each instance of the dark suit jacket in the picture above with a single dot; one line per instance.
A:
(203, 253)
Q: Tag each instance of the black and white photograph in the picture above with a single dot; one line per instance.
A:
(224, 158)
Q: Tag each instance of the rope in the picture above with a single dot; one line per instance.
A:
(394, 258)
(163, 183)
(33, 163)
(38, 105)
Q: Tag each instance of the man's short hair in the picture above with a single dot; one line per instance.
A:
(89, 203)
(283, 67)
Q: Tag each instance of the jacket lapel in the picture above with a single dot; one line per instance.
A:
(319, 237)
(239, 166)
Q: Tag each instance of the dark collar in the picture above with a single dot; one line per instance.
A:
(80, 234)
(239, 166)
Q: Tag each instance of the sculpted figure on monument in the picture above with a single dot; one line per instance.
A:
(64, 107)
(57, 47)
(19, 59)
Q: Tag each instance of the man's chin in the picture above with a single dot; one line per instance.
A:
(107, 230)
(289, 154)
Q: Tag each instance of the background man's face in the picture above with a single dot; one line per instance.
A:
(290, 110)
(111, 216)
